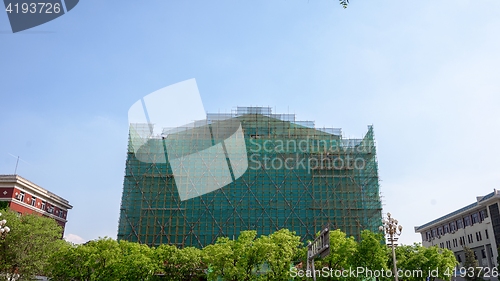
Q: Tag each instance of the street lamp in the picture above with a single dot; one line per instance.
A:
(3, 228)
(391, 229)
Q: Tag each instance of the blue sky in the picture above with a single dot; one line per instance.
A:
(425, 74)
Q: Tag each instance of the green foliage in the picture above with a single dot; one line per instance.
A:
(346, 253)
(235, 259)
(220, 258)
(137, 261)
(34, 247)
(180, 264)
(25, 250)
(103, 259)
(417, 257)
(283, 247)
(342, 252)
(70, 263)
(471, 263)
(251, 258)
(96, 260)
(371, 252)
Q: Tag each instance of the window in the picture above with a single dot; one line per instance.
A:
(467, 221)
(462, 240)
(469, 238)
(440, 231)
(448, 244)
(483, 253)
(475, 218)
(43, 205)
(453, 226)
(455, 243)
(486, 232)
(460, 224)
(459, 259)
(483, 214)
(50, 209)
(61, 214)
(434, 233)
(446, 229)
(21, 196)
(33, 201)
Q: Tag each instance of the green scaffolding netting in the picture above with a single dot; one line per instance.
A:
(292, 176)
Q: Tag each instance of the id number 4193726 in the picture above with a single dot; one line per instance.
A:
(474, 272)
(34, 8)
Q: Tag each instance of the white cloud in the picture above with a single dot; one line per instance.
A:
(73, 238)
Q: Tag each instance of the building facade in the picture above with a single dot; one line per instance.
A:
(476, 226)
(247, 170)
(25, 197)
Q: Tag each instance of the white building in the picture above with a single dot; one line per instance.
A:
(476, 226)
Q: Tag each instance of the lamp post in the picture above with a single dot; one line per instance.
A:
(3, 228)
(391, 229)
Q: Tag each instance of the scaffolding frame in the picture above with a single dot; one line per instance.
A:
(301, 200)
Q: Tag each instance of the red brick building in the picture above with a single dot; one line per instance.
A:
(25, 197)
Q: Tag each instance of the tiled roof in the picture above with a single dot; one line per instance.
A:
(468, 207)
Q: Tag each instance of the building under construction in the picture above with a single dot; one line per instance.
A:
(247, 170)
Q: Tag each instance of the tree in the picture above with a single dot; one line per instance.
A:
(220, 259)
(471, 265)
(250, 258)
(283, 247)
(435, 261)
(103, 256)
(348, 254)
(442, 260)
(236, 259)
(251, 253)
(342, 252)
(25, 250)
(371, 253)
(103, 259)
(71, 262)
(180, 264)
(411, 257)
(136, 262)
